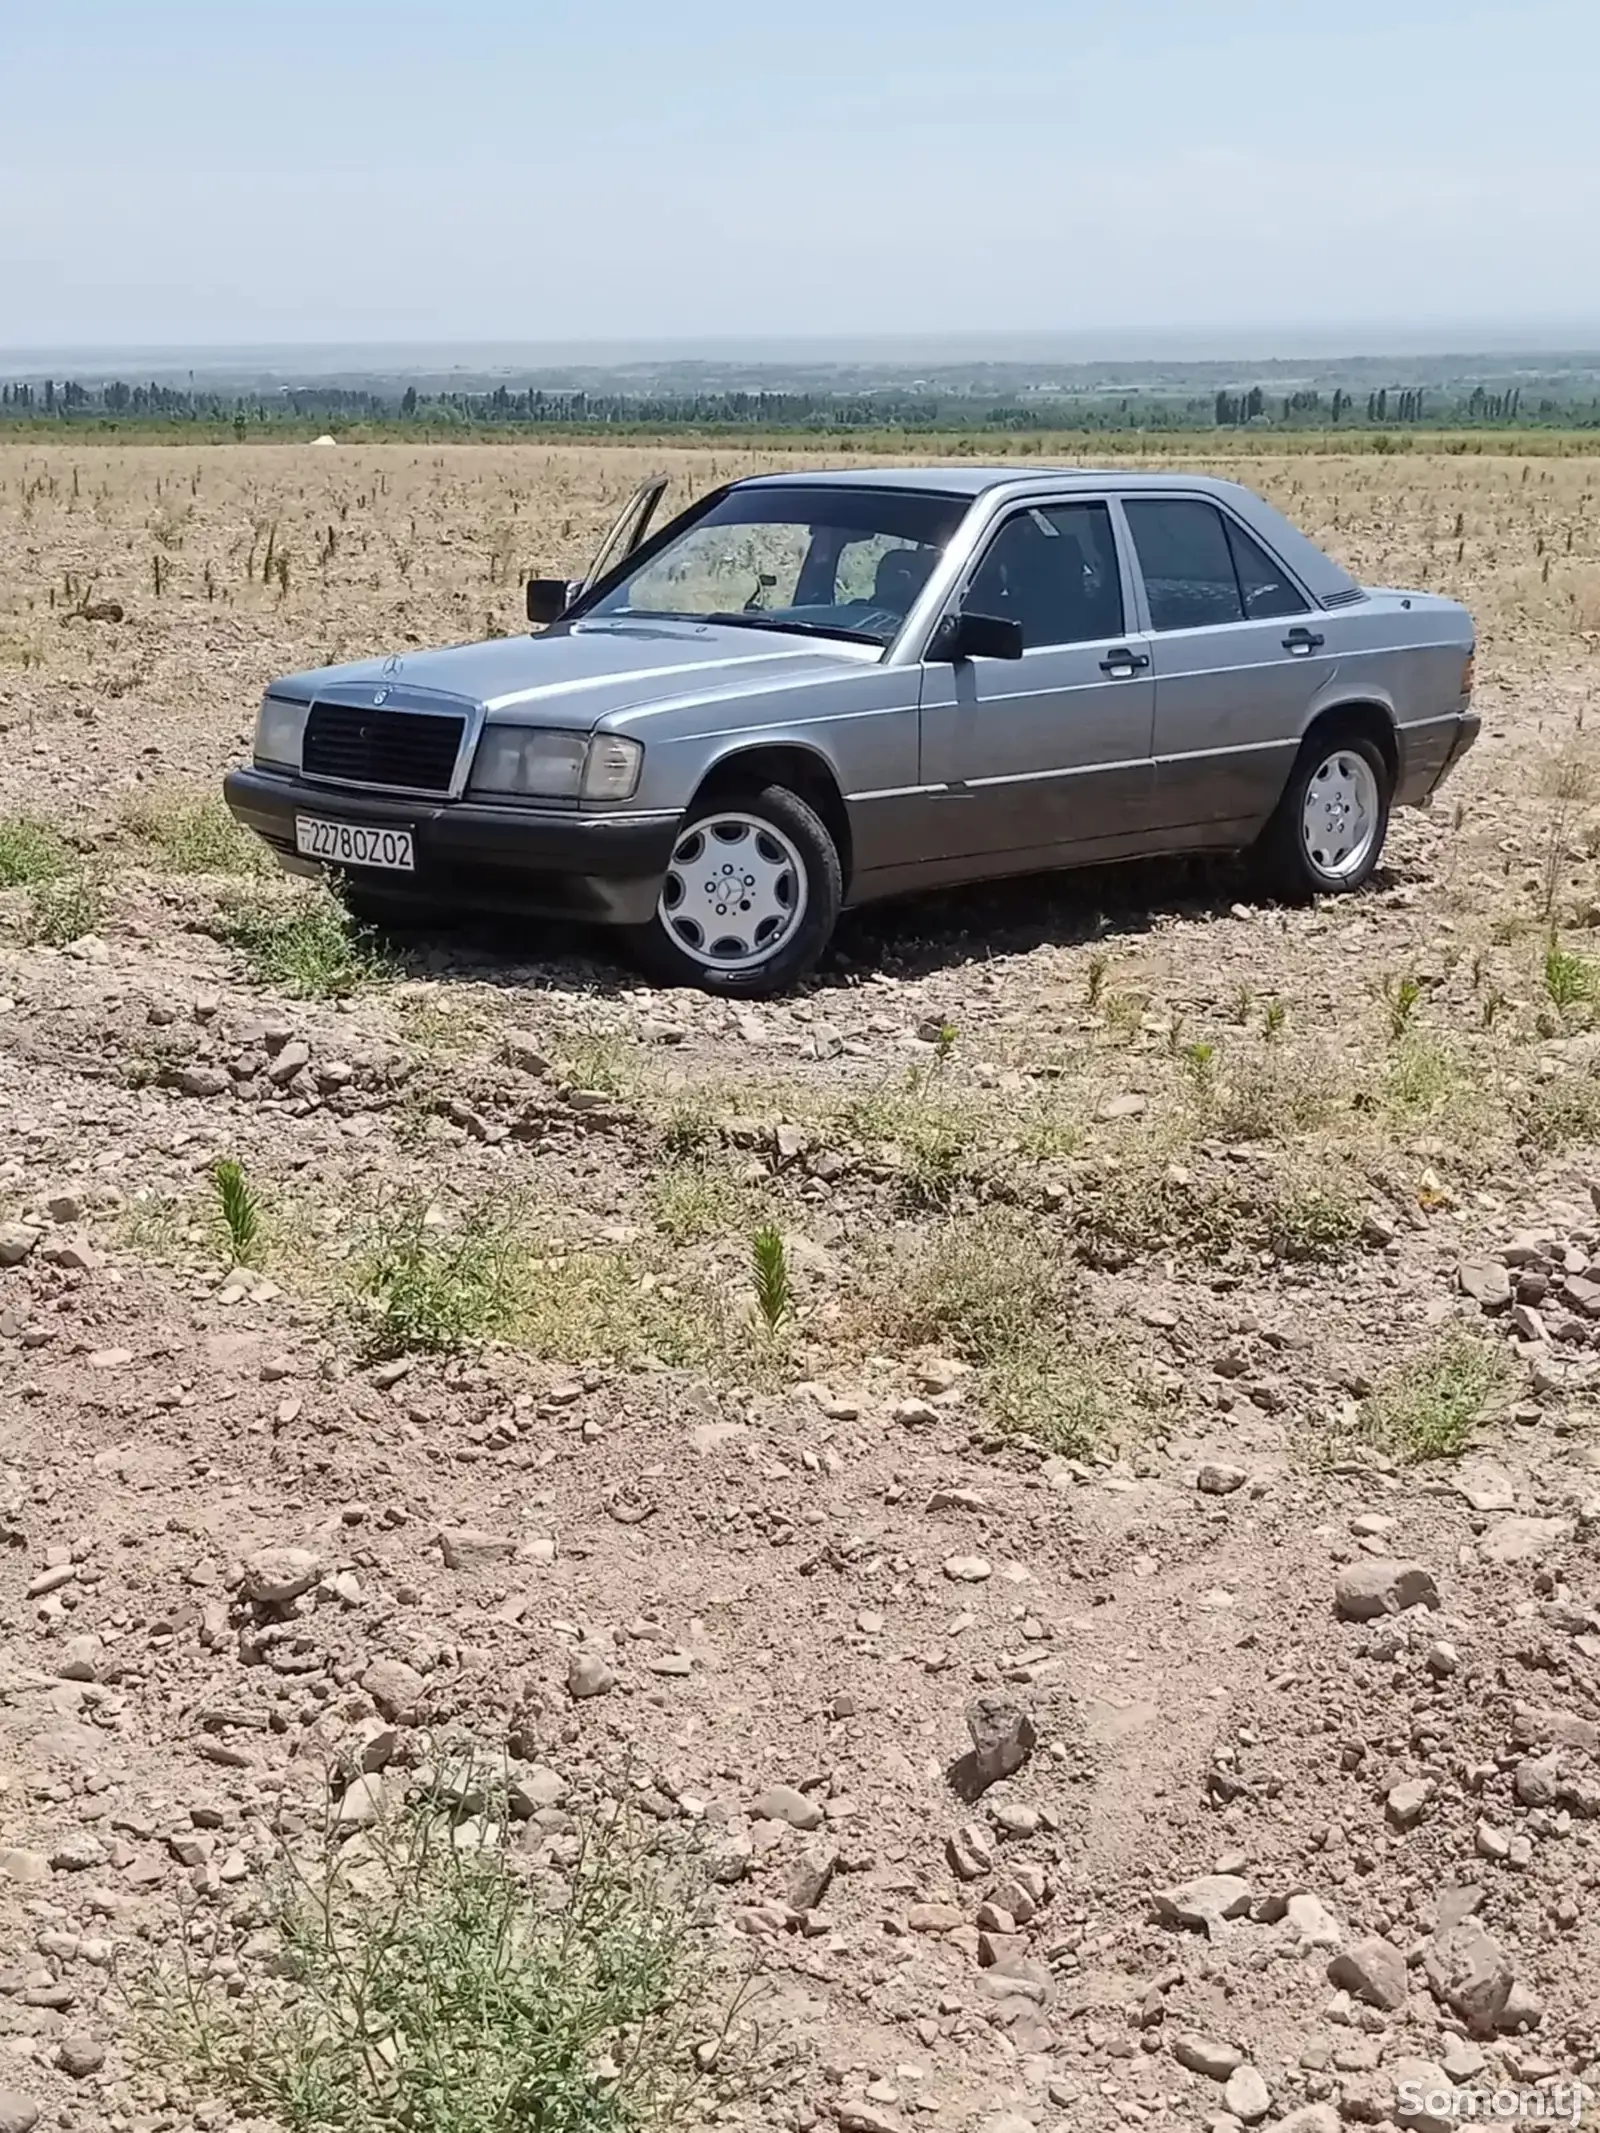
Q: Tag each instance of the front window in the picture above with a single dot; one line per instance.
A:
(832, 562)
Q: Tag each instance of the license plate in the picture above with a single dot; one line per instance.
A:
(353, 844)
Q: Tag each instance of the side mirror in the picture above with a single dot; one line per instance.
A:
(970, 636)
(548, 599)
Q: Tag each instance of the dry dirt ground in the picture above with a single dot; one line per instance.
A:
(1190, 1347)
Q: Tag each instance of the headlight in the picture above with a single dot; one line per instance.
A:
(521, 760)
(280, 730)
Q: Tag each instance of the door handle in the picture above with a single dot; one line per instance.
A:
(1301, 641)
(1124, 662)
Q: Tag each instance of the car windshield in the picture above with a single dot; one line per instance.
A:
(836, 562)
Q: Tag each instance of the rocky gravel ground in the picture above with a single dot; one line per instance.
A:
(1124, 1647)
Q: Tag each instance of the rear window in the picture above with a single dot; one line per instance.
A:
(1200, 569)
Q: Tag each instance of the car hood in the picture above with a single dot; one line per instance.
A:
(574, 676)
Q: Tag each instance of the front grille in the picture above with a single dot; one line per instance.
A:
(361, 746)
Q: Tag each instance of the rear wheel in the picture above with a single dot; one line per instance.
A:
(1327, 833)
(750, 898)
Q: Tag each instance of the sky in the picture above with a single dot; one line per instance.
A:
(1369, 173)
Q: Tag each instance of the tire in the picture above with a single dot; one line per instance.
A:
(772, 881)
(1326, 834)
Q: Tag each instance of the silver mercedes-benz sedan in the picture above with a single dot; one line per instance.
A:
(810, 690)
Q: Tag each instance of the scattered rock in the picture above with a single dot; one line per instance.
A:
(1486, 1281)
(1205, 2055)
(17, 1240)
(80, 2056)
(1379, 1585)
(464, 1548)
(18, 2113)
(1217, 1479)
(1003, 1738)
(1246, 2095)
(588, 1675)
(786, 1803)
(1524, 1540)
(275, 1576)
(1373, 1970)
(362, 1803)
(1470, 1973)
(1205, 1903)
(396, 1689)
(813, 1877)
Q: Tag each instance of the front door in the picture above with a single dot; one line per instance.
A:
(1240, 655)
(1047, 756)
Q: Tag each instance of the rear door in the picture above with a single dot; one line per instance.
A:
(1240, 653)
(1033, 758)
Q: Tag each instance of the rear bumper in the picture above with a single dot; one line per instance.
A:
(548, 864)
(1430, 752)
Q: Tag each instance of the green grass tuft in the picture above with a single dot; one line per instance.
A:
(1430, 1406)
(424, 1289)
(63, 908)
(433, 1976)
(193, 833)
(32, 852)
(304, 944)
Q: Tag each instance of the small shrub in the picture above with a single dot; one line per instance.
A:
(1430, 1406)
(63, 908)
(984, 1288)
(1402, 996)
(424, 1289)
(435, 1978)
(1068, 1398)
(31, 852)
(1569, 979)
(1270, 1097)
(774, 1287)
(1222, 1217)
(308, 945)
(239, 1208)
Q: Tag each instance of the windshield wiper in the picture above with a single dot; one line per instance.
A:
(744, 620)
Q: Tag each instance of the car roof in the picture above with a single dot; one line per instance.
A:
(1316, 569)
(962, 479)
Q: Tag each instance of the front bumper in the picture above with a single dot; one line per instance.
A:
(546, 863)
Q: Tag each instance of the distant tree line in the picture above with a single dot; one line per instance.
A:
(69, 402)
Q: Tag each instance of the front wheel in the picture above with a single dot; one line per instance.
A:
(1326, 834)
(750, 898)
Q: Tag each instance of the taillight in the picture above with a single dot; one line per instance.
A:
(1467, 674)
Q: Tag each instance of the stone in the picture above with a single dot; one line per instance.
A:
(813, 1877)
(81, 1659)
(1486, 1281)
(1381, 1585)
(1406, 1802)
(786, 1803)
(967, 1569)
(588, 1675)
(1204, 1903)
(1373, 1970)
(864, 2118)
(1420, 2089)
(275, 1576)
(362, 1802)
(18, 2113)
(941, 1373)
(17, 1240)
(80, 2056)
(28, 1868)
(1246, 2095)
(202, 1081)
(464, 1548)
(396, 1689)
(1310, 2118)
(933, 1918)
(971, 1852)
(1205, 2055)
(1314, 1924)
(1216, 1478)
(295, 1055)
(1524, 1540)
(1003, 1737)
(1485, 1486)
(533, 1790)
(1470, 1973)
(523, 1052)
